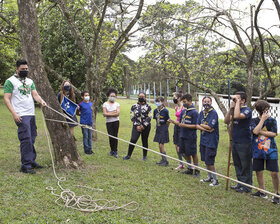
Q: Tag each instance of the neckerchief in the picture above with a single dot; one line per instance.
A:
(158, 116)
(183, 118)
(205, 115)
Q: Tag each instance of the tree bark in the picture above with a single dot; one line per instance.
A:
(63, 143)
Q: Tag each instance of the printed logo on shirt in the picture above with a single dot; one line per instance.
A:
(24, 89)
(246, 111)
(213, 122)
(188, 116)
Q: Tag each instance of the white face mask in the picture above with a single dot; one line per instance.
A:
(112, 99)
(86, 98)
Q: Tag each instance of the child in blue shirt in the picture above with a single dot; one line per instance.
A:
(161, 114)
(85, 107)
(188, 136)
(264, 148)
(208, 123)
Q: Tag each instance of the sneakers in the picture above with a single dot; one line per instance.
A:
(196, 173)
(242, 190)
(214, 183)
(27, 170)
(275, 200)
(111, 153)
(160, 162)
(116, 154)
(37, 166)
(126, 157)
(180, 167)
(144, 158)
(207, 180)
(260, 194)
(164, 163)
(188, 171)
(235, 187)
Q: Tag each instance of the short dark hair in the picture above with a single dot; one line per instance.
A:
(242, 95)
(84, 92)
(178, 95)
(159, 99)
(187, 96)
(142, 93)
(261, 105)
(21, 62)
(111, 90)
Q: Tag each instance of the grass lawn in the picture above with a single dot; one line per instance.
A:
(164, 196)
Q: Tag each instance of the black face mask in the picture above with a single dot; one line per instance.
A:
(207, 105)
(23, 73)
(141, 100)
(186, 105)
(175, 100)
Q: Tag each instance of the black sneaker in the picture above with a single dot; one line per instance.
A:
(144, 158)
(188, 171)
(116, 154)
(27, 170)
(160, 162)
(207, 180)
(126, 158)
(37, 166)
(260, 195)
(164, 163)
(196, 173)
(275, 200)
(214, 183)
(235, 187)
(242, 190)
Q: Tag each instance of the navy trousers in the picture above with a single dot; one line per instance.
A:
(27, 132)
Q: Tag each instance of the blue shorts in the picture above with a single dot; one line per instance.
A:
(271, 165)
(208, 154)
(187, 147)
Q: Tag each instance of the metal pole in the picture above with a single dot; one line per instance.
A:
(154, 91)
(149, 86)
(205, 86)
(228, 93)
(167, 87)
(145, 88)
(265, 88)
(189, 88)
(159, 88)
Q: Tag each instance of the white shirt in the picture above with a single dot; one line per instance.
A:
(110, 107)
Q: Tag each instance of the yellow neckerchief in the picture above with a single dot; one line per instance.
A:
(205, 114)
(158, 117)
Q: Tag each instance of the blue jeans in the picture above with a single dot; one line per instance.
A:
(27, 132)
(242, 159)
(87, 140)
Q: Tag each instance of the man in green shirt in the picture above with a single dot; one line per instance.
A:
(19, 92)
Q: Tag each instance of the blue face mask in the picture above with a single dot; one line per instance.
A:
(158, 104)
(67, 88)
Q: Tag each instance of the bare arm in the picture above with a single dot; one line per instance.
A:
(258, 129)
(115, 113)
(199, 127)
(228, 115)
(237, 114)
(7, 101)
(206, 127)
(37, 98)
(268, 133)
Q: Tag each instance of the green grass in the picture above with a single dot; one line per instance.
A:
(164, 196)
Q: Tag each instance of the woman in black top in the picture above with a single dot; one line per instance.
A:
(141, 114)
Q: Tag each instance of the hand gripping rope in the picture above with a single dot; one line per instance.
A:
(66, 199)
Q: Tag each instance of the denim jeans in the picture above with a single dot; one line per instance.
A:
(87, 140)
(242, 159)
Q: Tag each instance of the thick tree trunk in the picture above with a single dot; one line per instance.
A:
(63, 143)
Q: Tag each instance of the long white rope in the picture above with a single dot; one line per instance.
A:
(197, 167)
(84, 203)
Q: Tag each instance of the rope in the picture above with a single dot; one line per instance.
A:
(84, 203)
(197, 167)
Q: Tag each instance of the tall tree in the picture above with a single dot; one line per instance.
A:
(63, 143)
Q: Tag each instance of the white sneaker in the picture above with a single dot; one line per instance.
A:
(214, 183)
(180, 167)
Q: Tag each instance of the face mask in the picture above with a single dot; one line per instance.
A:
(206, 105)
(23, 74)
(175, 100)
(158, 104)
(86, 98)
(141, 100)
(67, 88)
(112, 98)
(186, 105)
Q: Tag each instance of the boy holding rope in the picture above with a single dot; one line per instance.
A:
(264, 147)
